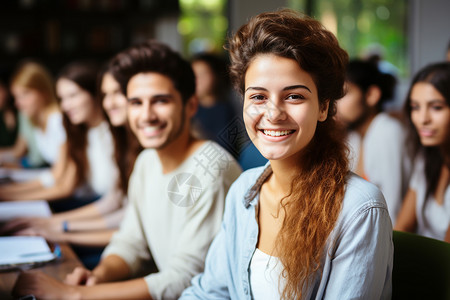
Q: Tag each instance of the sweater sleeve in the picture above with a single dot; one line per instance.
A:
(200, 226)
(212, 284)
(129, 242)
(215, 281)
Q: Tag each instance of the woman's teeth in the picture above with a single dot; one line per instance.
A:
(277, 133)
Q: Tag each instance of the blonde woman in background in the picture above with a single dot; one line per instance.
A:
(85, 170)
(41, 132)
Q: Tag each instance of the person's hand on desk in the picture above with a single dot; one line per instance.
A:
(81, 276)
(43, 286)
(50, 229)
(18, 224)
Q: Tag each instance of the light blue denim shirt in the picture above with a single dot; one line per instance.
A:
(357, 261)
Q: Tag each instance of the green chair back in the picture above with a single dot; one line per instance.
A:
(421, 267)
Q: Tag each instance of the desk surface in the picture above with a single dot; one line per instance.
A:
(57, 269)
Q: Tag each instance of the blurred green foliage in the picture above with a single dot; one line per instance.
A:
(364, 26)
(361, 26)
(203, 25)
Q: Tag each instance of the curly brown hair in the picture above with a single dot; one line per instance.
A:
(317, 191)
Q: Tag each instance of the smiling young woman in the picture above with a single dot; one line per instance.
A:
(280, 112)
(293, 228)
(426, 207)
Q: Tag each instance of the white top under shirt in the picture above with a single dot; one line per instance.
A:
(50, 140)
(433, 219)
(265, 271)
(103, 172)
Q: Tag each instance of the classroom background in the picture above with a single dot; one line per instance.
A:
(406, 34)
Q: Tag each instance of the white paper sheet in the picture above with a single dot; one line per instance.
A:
(19, 175)
(15, 250)
(14, 209)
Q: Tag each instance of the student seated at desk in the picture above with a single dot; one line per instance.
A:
(85, 169)
(426, 207)
(41, 131)
(176, 191)
(93, 224)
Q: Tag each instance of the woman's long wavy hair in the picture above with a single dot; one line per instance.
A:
(126, 150)
(126, 145)
(84, 74)
(314, 203)
(438, 75)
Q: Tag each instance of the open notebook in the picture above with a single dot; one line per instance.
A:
(15, 209)
(18, 175)
(23, 252)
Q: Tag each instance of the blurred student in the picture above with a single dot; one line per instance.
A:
(41, 132)
(9, 123)
(176, 192)
(376, 140)
(219, 116)
(85, 169)
(216, 108)
(426, 208)
(90, 227)
(303, 226)
(93, 224)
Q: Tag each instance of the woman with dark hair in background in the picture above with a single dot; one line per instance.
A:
(303, 226)
(376, 139)
(426, 208)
